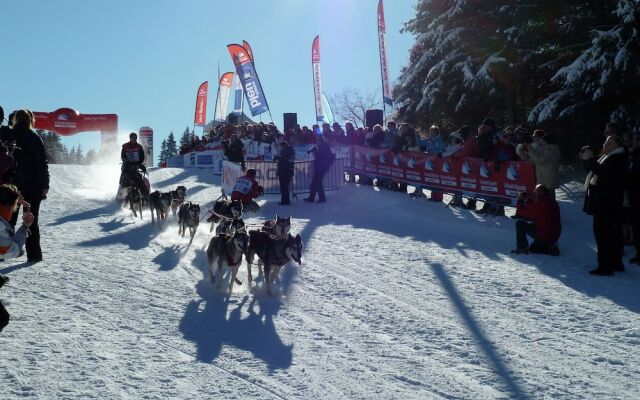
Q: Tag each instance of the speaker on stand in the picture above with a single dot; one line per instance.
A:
(373, 117)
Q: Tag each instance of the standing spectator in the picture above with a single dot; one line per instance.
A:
(338, 133)
(5, 132)
(323, 158)
(31, 177)
(11, 242)
(234, 150)
(541, 221)
(605, 185)
(391, 135)
(376, 137)
(285, 170)
(633, 193)
(434, 145)
(545, 156)
(522, 137)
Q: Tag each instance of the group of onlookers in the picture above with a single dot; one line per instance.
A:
(24, 182)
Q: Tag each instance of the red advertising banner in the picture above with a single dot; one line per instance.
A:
(247, 48)
(223, 96)
(382, 43)
(469, 176)
(200, 117)
(317, 78)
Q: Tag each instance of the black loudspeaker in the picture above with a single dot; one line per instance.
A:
(373, 117)
(233, 119)
(290, 120)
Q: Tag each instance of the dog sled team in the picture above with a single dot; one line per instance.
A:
(270, 246)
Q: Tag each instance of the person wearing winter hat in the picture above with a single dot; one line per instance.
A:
(11, 242)
(544, 153)
(605, 184)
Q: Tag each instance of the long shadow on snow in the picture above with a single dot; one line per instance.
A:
(208, 323)
(179, 180)
(136, 238)
(497, 364)
(109, 207)
(398, 215)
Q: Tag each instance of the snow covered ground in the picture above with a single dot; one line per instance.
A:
(397, 298)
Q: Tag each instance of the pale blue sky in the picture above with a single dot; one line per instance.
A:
(144, 59)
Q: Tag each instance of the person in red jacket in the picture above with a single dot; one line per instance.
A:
(540, 219)
(246, 189)
(132, 156)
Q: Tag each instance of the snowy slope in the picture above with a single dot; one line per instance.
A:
(396, 299)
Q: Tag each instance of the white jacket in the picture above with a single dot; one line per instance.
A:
(11, 242)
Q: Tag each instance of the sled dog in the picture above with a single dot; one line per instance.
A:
(178, 197)
(279, 227)
(226, 251)
(159, 203)
(135, 200)
(228, 226)
(274, 253)
(188, 216)
(224, 209)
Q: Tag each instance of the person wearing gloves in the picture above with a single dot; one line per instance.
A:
(11, 242)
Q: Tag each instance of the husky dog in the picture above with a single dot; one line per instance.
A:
(159, 203)
(226, 251)
(274, 253)
(279, 227)
(225, 209)
(177, 198)
(135, 200)
(188, 216)
(228, 226)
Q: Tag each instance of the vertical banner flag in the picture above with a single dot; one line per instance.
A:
(200, 118)
(237, 90)
(317, 80)
(249, 79)
(223, 96)
(382, 42)
(246, 46)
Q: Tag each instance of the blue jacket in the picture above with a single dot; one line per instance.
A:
(433, 145)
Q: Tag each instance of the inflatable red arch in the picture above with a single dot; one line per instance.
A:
(67, 122)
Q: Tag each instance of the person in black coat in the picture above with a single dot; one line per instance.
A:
(234, 150)
(633, 193)
(606, 183)
(31, 176)
(285, 170)
(321, 164)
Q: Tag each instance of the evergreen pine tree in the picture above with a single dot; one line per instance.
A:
(79, 159)
(163, 151)
(172, 147)
(71, 158)
(91, 157)
(601, 83)
(185, 139)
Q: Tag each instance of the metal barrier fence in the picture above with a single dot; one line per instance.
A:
(266, 175)
(333, 179)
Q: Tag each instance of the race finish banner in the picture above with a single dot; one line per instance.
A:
(223, 96)
(317, 79)
(200, 118)
(382, 42)
(471, 177)
(249, 79)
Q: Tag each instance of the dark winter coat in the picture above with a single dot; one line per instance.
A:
(6, 134)
(234, 151)
(31, 162)
(606, 183)
(132, 153)
(323, 157)
(285, 162)
(545, 214)
(485, 144)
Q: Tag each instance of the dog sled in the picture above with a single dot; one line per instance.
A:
(133, 176)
